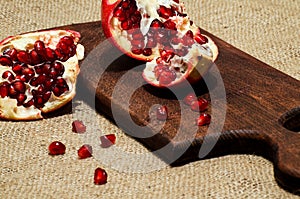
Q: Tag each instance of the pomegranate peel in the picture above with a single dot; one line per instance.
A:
(46, 89)
(159, 30)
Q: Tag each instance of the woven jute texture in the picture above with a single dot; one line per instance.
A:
(268, 30)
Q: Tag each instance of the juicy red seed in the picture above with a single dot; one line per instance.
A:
(21, 99)
(151, 42)
(78, 126)
(147, 51)
(4, 90)
(29, 103)
(162, 113)
(40, 79)
(48, 84)
(203, 119)
(38, 101)
(45, 68)
(200, 105)
(190, 98)
(85, 151)
(53, 73)
(63, 48)
(167, 55)
(57, 148)
(28, 72)
(126, 25)
(156, 24)
(46, 96)
(107, 140)
(49, 54)
(201, 39)
(39, 47)
(58, 67)
(67, 40)
(8, 75)
(23, 57)
(60, 56)
(5, 61)
(165, 12)
(19, 86)
(12, 91)
(34, 57)
(100, 176)
(17, 68)
(72, 50)
(12, 53)
(166, 77)
(169, 24)
(21, 78)
(137, 51)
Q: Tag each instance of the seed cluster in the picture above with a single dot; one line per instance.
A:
(163, 35)
(36, 73)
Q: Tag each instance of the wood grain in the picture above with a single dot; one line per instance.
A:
(262, 106)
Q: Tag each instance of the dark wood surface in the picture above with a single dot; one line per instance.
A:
(262, 106)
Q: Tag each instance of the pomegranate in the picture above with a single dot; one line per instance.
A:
(203, 119)
(162, 34)
(38, 73)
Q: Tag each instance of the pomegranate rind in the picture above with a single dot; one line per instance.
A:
(8, 107)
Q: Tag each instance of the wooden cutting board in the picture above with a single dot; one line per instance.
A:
(262, 106)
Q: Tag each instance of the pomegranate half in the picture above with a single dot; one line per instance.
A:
(161, 33)
(38, 73)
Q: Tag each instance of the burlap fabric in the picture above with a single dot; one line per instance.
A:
(268, 30)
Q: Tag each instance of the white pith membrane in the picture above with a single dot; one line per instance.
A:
(8, 106)
(199, 56)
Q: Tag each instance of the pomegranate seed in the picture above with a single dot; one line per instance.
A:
(169, 24)
(78, 126)
(28, 72)
(17, 68)
(29, 103)
(203, 119)
(46, 96)
(137, 51)
(67, 40)
(12, 53)
(8, 75)
(5, 60)
(166, 77)
(57, 148)
(100, 176)
(201, 39)
(200, 105)
(190, 98)
(21, 99)
(19, 86)
(166, 55)
(58, 67)
(147, 51)
(23, 57)
(126, 25)
(156, 24)
(162, 113)
(4, 89)
(49, 54)
(34, 57)
(165, 12)
(85, 151)
(107, 140)
(39, 47)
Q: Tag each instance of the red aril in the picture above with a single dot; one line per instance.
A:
(147, 30)
(162, 113)
(190, 98)
(85, 151)
(78, 126)
(100, 176)
(107, 140)
(199, 105)
(57, 148)
(203, 119)
(38, 80)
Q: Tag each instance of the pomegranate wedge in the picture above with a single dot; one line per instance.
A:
(38, 73)
(162, 34)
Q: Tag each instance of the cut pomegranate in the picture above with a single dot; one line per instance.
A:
(203, 119)
(37, 74)
(151, 30)
(107, 140)
(57, 148)
(85, 151)
(100, 176)
(199, 105)
(162, 113)
(78, 126)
